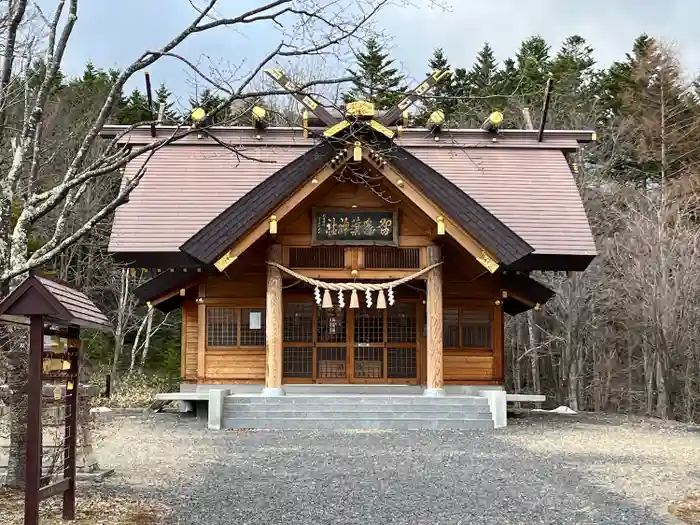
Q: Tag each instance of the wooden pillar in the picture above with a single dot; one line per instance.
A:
(273, 325)
(32, 460)
(435, 382)
(71, 427)
(201, 335)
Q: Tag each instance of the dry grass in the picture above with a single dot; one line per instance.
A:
(92, 508)
(688, 510)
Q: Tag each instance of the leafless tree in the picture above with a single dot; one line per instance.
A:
(30, 183)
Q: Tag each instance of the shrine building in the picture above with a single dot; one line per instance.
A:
(354, 258)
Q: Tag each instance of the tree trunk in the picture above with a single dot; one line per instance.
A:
(17, 375)
(147, 342)
(135, 345)
(649, 384)
(662, 400)
(534, 354)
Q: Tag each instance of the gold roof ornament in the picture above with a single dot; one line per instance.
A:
(359, 109)
(198, 114)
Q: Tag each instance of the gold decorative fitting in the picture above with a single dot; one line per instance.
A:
(537, 307)
(198, 114)
(273, 225)
(436, 118)
(359, 109)
(440, 225)
(353, 273)
(487, 262)
(314, 181)
(225, 261)
(182, 292)
(259, 117)
(498, 302)
(357, 152)
(333, 130)
(149, 305)
(399, 183)
(504, 294)
(200, 300)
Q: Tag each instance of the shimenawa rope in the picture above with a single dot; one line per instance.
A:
(337, 287)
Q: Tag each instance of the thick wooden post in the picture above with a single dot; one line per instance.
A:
(273, 325)
(71, 428)
(32, 458)
(201, 335)
(435, 383)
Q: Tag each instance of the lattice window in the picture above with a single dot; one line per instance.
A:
(221, 326)
(331, 325)
(369, 325)
(450, 327)
(297, 361)
(401, 363)
(331, 362)
(401, 323)
(378, 257)
(476, 328)
(369, 362)
(298, 322)
(317, 257)
(252, 327)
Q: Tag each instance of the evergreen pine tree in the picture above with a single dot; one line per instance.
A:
(575, 99)
(375, 80)
(532, 60)
(442, 95)
(483, 74)
(208, 100)
(135, 109)
(162, 96)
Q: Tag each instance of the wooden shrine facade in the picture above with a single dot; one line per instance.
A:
(448, 322)
(351, 249)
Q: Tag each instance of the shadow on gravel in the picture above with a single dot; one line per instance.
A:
(415, 478)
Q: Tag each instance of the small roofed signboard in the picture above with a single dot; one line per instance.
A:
(355, 227)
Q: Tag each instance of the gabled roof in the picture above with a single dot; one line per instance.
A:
(212, 241)
(209, 243)
(525, 184)
(505, 244)
(56, 302)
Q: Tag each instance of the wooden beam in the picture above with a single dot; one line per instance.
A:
(361, 274)
(273, 321)
(435, 377)
(262, 228)
(486, 259)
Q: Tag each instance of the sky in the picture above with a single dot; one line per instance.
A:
(114, 33)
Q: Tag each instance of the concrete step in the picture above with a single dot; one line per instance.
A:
(380, 409)
(290, 423)
(366, 401)
(359, 414)
(354, 389)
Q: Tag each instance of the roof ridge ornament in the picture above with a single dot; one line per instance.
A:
(360, 109)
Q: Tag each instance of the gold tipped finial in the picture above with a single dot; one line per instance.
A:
(198, 114)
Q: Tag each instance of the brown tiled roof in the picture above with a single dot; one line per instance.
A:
(217, 236)
(532, 191)
(525, 184)
(186, 186)
(461, 207)
(57, 302)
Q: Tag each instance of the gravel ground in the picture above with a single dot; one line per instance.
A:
(542, 469)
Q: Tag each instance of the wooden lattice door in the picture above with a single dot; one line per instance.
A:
(341, 345)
